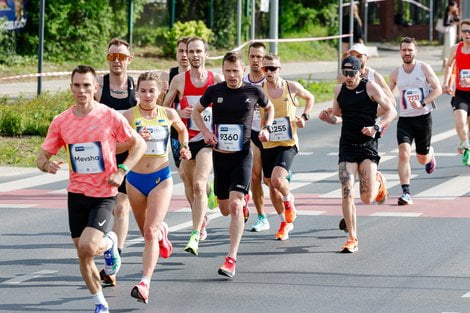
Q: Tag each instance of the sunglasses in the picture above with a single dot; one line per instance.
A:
(465, 31)
(113, 56)
(350, 73)
(269, 68)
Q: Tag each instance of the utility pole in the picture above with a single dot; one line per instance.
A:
(41, 43)
(273, 25)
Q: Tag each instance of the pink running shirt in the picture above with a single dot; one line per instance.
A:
(91, 145)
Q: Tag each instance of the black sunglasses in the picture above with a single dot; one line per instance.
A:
(270, 68)
(350, 73)
(465, 31)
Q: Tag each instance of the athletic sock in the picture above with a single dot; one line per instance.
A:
(146, 280)
(405, 188)
(99, 298)
(287, 197)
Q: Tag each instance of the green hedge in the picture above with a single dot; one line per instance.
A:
(31, 116)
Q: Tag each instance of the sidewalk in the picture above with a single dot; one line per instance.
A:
(387, 60)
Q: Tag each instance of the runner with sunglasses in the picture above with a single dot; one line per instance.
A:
(117, 91)
(278, 153)
(460, 57)
(418, 87)
(189, 87)
(355, 103)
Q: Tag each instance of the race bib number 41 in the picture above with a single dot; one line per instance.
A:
(86, 158)
(230, 137)
(206, 117)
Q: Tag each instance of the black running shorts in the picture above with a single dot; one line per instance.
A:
(356, 153)
(417, 128)
(232, 172)
(461, 101)
(87, 211)
(196, 146)
(277, 156)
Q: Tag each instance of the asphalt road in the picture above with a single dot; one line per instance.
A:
(410, 259)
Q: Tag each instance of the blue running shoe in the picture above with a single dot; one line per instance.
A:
(112, 259)
(101, 308)
(405, 199)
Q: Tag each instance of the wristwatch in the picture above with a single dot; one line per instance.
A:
(269, 128)
(306, 116)
(423, 103)
(377, 128)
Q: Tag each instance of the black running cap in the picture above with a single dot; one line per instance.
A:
(351, 63)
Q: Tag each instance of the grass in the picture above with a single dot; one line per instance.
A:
(22, 151)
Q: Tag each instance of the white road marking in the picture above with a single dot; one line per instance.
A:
(396, 214)
(16, 206)
(452, 188)
(467, 295)
(303, 212)
(305, 153)
(392, 180)
(34, 181)
(27, 277)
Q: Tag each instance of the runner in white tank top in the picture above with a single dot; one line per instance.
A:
(419, 87)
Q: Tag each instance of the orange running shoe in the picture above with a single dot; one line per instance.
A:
(284, 229)
(350, 246)
(108, 280)
(290, 212)
(228, 268)
(382, 195)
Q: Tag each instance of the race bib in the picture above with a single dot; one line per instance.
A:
(158, 143)
(230, 137)
(206, 117)
(86, 158)
(256, 124)
(281, 129)
(464, 76)
(411, 95)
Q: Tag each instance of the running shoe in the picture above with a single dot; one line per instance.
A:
(284, 229)
(261, 224)
(193, 244)
(382, 195)
(228, 268)
(350, 246)
(290, 212)
(203, 232)
(141, 292)
(342, 225)
(405, 199)
(212, 202)
(108, 280)
(289, 176)
(166, 248)
(112, 259)
(246, 212)
(466, 157)
(429, 167)
(101, 308)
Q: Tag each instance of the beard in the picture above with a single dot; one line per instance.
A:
(408, 61)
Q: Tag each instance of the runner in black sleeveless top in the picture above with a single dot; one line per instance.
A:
(356, 102)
